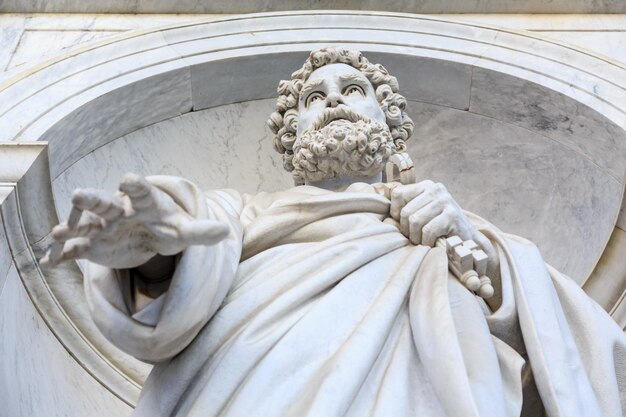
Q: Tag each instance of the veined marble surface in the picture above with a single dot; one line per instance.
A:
(551, 114)
(11, 30)
(222, 147)
(225, 6)
(147, 101)
(28, 51)
(36, 370)
(5, 256)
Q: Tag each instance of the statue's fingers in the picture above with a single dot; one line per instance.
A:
(138, 189)
(88, 226)
(76, 248)
(74, 218)
(204, 232)
(411, 207)
(397, 202)
(419, 220)
(401, 195)
(52, 256)
(438, 227)
(100, 202)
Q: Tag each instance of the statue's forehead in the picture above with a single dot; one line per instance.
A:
(335, 72)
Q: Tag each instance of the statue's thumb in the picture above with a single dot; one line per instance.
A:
(204, 232)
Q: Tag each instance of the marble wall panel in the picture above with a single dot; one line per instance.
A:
(241, 78)
(33, 101)
(609, 43)
(79, 63)
(34, 44)
(38, 377)
(545, 22)
(521, 181)
(117, 113)
(9, 37)
(423, 79)
(435, 81)
(35, 199)
(5, 253)
(222, 147)
(225, 6)
(585, 77)
(11, 28)
(551, 114)
(107, 22)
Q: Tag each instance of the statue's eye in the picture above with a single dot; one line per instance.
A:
(313, 97)
(353, 89)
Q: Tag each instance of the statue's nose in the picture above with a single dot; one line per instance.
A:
(333, 100)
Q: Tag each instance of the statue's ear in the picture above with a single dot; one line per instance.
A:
(399, 168)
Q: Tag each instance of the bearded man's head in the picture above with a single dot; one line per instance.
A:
(339, 115)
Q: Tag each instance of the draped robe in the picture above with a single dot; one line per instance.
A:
(316, 305)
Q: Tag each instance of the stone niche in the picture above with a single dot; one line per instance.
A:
(525, 132)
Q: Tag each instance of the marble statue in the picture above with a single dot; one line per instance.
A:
(335, 297)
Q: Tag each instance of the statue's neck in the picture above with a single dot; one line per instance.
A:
(341, 183)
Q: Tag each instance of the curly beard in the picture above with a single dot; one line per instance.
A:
(342, 148)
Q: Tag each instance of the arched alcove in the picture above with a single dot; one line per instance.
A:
(524, 131)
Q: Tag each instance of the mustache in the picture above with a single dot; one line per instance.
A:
(336, 113)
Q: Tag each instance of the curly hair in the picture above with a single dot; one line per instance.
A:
(284, 121)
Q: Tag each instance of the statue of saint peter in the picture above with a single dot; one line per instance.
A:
(334, 298)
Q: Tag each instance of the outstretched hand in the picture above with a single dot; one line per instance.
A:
(126, 229)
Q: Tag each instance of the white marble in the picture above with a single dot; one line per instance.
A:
(222, 147)
(434, 81)
(38, 377)
(105, 22)
(522, 181)
(423, 33)
(9, 38)
(551, 114)
(558, 61)
(147, 101)
(33, 46)
(433, 44)
(5, 255)
(605, 42)
(599, 33)
(28, 214)
(16, 163)
(317, 298)
(543, 23)
(430, 47)
(62, 84)
(11, 29)
(224, 6)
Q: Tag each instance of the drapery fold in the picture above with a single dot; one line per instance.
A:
(314, 306)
